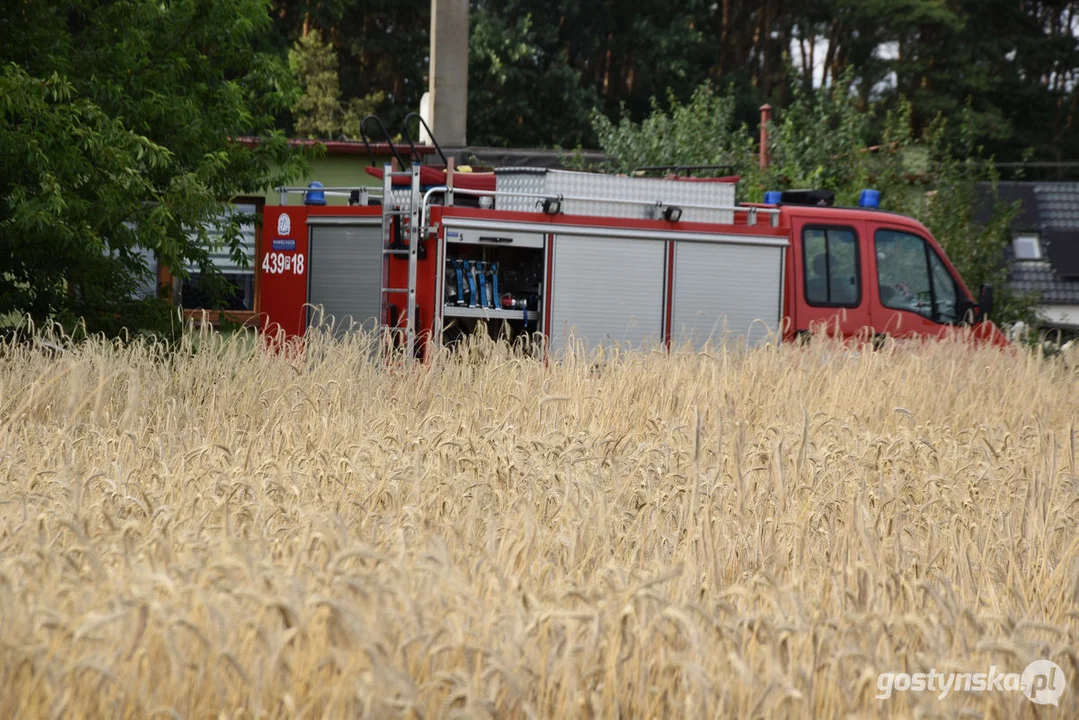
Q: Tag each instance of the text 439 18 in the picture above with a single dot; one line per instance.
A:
(276, 262)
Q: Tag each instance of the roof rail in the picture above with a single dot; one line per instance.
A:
(357, 195)
(385, 134)
(751, 211)
(678, 169)
(413, 152)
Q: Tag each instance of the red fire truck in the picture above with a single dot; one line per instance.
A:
(594, 259)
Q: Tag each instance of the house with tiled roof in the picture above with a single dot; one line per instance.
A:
(1044, 254)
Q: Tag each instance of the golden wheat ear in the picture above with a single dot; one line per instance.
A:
(212, 529)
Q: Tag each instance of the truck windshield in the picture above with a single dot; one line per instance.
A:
(912, 277)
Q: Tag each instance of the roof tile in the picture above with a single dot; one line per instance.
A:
(1057, 210)
(1058, 205)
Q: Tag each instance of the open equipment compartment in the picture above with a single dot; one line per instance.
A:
(492, 275)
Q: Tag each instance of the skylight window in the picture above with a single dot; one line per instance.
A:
(1027, 247)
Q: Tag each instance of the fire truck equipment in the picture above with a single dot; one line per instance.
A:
(472, 283)
(453, 289)
(820, 198)
(396, 241)
(315, 195)
(606, 269)
(492, 271)
(869, 199)
(509, 302)
(461, 289)
(480, 273)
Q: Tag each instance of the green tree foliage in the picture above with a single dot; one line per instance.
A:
(538, 68)
(319, 112)
(117, 120)
(822, 141)
(515, 67)
(1017, 62)
(676, 136)
(380, 49)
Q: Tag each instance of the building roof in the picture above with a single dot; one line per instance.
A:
(1050, 209)
(349, 147)
(485, 156)
(1039, 277)
(523, 157)
(1058, 205)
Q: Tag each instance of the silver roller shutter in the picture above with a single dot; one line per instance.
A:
(607, 291)
(725, 290)
(345, 275)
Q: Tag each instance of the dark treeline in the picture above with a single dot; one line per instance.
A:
(537, 68)
(117, 116)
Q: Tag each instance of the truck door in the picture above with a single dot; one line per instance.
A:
(918, 292)
(830, 277)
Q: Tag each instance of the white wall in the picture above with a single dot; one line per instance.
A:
(1060, 315)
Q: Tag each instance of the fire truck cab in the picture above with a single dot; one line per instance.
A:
(861, 271)
(587, 260)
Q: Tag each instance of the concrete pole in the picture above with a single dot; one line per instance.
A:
(448, 86)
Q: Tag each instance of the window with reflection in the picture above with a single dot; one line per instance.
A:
(913, 277)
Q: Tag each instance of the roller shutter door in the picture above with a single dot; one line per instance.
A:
(345, 275)
(607, 291)
(725, 290)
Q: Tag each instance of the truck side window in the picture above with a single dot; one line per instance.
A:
(912, 277)
(830, 259)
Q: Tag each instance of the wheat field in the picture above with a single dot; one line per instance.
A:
(219, 531)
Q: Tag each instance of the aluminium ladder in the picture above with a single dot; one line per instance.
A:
(398, 210)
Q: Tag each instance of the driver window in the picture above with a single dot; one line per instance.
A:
(913, 278)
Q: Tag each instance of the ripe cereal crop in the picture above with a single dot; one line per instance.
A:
(214, 530)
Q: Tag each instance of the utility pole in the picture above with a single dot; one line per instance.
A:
(448, 84)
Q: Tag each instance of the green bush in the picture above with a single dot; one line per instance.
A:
(824, 140)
